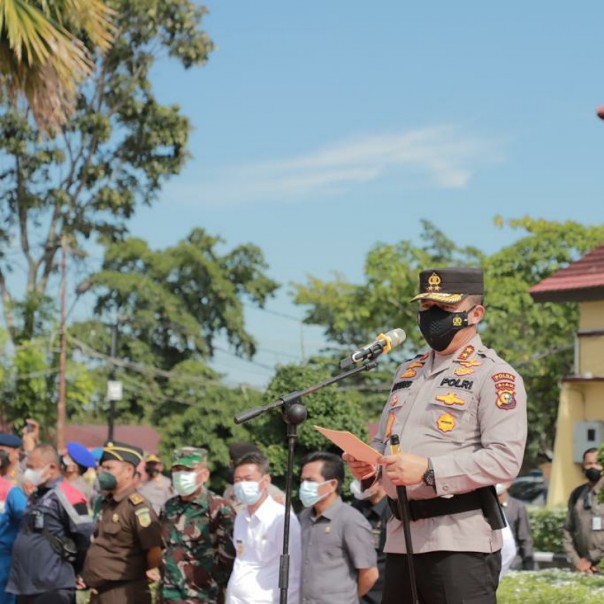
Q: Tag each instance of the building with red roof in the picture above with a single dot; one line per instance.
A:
(580, 423)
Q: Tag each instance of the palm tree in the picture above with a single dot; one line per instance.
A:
(46, 51)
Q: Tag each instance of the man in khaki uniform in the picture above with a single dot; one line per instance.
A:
(460, 412)
(127, 537)
(156, 488)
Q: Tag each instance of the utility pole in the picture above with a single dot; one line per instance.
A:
(63, 348)
(114, 387)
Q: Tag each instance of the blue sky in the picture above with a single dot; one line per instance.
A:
(323, 128)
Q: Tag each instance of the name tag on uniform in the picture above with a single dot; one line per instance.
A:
(596, 523)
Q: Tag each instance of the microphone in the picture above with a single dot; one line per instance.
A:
(383, 344)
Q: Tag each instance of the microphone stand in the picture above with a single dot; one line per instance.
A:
(294, 413)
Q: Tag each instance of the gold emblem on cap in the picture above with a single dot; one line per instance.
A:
(434, 282)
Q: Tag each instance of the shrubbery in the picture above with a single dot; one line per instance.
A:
(546, 528)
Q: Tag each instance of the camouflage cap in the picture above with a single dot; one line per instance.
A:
(188, 456)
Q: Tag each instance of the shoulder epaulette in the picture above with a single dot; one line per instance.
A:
(136, 499)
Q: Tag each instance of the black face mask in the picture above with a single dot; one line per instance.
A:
(593, 474)
(439, 326)
(151, 470)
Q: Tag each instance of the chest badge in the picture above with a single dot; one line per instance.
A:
(450, 399)
(463, 371)
(115, 518)
(470, 364)
(446, 422)
(409, 373)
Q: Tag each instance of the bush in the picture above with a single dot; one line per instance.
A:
(546, 528)
(552, 586)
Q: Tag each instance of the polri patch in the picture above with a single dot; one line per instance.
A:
(457, 383)
(498, 377)
(393, 400)
(446, 422)
(506, 395)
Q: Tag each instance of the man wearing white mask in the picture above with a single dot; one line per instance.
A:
(54, 536)
(197, 528)
(338, 557)
(258, 538)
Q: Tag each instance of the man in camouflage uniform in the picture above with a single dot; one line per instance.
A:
(197, 529)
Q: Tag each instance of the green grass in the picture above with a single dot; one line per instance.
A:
(552, 586)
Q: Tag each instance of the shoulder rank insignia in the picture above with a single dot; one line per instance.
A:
(136, 499)
(450, 399)
(144, 517)
(464, 355)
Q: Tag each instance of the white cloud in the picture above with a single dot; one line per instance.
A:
(442, 156)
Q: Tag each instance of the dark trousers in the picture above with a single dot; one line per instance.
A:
(443, 578)
(130, 592)
(56, 596)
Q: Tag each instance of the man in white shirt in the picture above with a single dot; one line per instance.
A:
(258, 538)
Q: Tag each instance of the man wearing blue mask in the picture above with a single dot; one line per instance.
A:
(258, 538)
(197, 530)
(338, 557)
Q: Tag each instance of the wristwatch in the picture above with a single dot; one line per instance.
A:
(428, 477)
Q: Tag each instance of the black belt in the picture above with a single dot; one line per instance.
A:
(439, 506)
(483, 499)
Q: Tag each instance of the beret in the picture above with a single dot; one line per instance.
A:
(10, 440)
(80, 454)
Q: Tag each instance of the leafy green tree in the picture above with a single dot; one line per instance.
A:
(172, 304)
(535, 338)
(330, 407)
(115, 153)
(29, 384)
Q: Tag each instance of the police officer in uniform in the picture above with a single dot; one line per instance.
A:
(127, 536)
(460, 412)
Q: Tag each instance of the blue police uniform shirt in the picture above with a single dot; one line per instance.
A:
(12, 508)
(59, 509)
